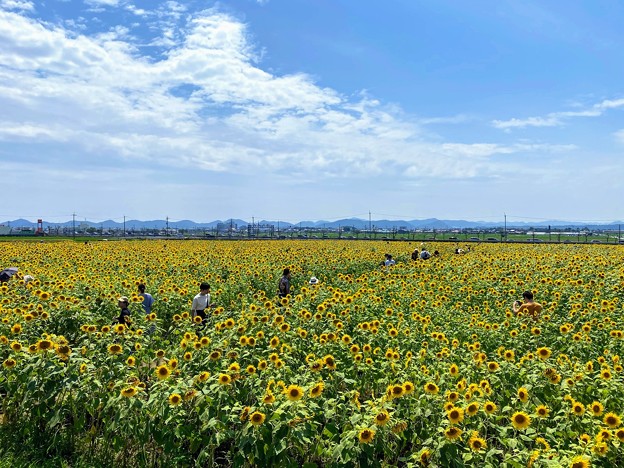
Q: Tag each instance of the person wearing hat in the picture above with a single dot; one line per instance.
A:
(313, 281)
(124, 314)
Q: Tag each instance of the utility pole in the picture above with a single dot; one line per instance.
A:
(74, 225)
(370, 226)
(124, 234)
(167, 230)
(505, 228)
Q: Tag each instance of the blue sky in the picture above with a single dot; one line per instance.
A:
(312, 109)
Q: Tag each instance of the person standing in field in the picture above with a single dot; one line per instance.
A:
(124, 313)
(201, 302)
(147, 303)
(284, 284)
(148, 300)
(528, 306)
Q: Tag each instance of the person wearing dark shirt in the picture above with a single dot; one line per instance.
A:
(284, 283)
(124, 314)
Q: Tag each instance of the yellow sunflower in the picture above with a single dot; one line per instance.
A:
(257, 418)
(162, 372)
(268, 398)
(472, 408)
(45, 345)
(224, 379)
(523, 394)
(543, 353)
(317, 390)
(596, 408)
(293, 392)
(330, 362)
(129, 392)
(476, 443)
(382, 418)
(542, 411)
(366, 436)
(175, 399)
(520, 420)
(453, 433)
(489, 407)
(612, 420)
(455, 415)
(580, 461)
(9, 363)
(431, 388)
(578, 409)
(493, 366)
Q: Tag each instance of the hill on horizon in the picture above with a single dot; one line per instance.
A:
(355, 223)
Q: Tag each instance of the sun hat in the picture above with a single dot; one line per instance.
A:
(123, 299)
(314, 280)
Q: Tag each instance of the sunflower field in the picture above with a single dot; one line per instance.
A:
(419, 364)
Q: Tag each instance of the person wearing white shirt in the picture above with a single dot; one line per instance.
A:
(201, 302)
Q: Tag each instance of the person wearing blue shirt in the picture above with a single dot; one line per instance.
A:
(148, 300)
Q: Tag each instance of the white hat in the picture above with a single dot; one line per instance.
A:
(314, 280)
(28, 279)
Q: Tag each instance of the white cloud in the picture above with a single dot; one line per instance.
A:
(556, 119)
(619, 135)
(550, 121)
(111, 3)
(207, 104)
(455, 119)
(610, 104)
(22, 5)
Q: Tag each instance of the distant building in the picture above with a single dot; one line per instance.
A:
(227, 227)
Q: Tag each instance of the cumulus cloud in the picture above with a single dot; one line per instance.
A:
(205, 103)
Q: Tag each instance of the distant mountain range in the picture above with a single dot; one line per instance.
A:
(356, 223)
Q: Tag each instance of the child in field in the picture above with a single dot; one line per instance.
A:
(124, 313)
(201, 302)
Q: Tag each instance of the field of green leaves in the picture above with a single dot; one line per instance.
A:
(418, 364)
